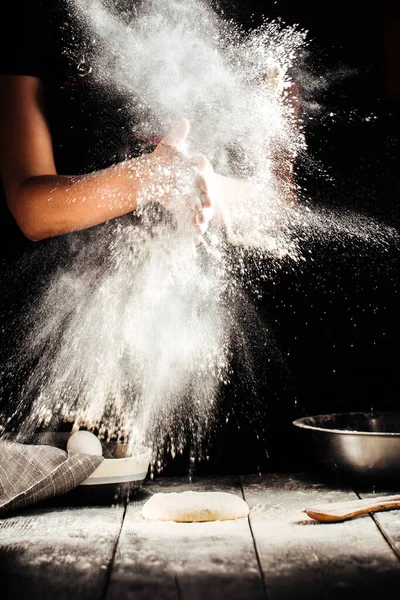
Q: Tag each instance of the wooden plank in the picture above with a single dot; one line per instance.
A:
(388, 522)
(301, 558)
(58, 553)
(164, 560)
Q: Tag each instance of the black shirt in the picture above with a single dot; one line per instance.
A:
(93, 124)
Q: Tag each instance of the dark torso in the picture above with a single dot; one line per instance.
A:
(93, 123)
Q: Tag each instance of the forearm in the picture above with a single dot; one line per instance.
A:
(50, 205)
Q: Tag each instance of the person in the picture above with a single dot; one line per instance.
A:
(71, 158)
(47, 202)
(48, 107)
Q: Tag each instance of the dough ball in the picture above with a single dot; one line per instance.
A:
(84, 442)
(188, 507)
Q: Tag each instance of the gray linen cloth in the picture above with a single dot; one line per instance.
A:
(29, 473)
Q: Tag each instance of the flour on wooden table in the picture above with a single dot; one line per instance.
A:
(190, 506)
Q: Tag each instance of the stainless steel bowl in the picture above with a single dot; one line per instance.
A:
(365, 446)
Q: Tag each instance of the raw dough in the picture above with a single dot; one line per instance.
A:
(186, 507)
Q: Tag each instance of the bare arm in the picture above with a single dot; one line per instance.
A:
(45, 204)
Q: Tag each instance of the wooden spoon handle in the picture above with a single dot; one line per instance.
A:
(341, 511)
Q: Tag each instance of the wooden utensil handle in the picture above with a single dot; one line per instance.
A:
(341, 511)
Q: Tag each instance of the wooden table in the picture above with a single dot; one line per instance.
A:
(108, 552)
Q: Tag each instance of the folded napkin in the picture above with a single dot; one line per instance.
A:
(29, 473)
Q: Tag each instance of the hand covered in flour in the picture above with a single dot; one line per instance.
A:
(187, 180)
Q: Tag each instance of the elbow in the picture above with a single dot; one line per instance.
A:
(31, 215)
(32, 228)
(34, 237)
(33, 222)
(31, 234)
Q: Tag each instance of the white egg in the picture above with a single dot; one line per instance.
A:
(84, 442)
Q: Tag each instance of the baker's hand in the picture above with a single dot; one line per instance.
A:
(188, 179)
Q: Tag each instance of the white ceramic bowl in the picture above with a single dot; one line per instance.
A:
(121, 470)
(116, 469)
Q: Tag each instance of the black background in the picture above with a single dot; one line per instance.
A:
(334, 323)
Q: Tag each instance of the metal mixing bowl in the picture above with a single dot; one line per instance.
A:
(365, 446)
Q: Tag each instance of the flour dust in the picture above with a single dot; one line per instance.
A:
(134, 337)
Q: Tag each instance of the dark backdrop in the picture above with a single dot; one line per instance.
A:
(335, 322)
(333, 325)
